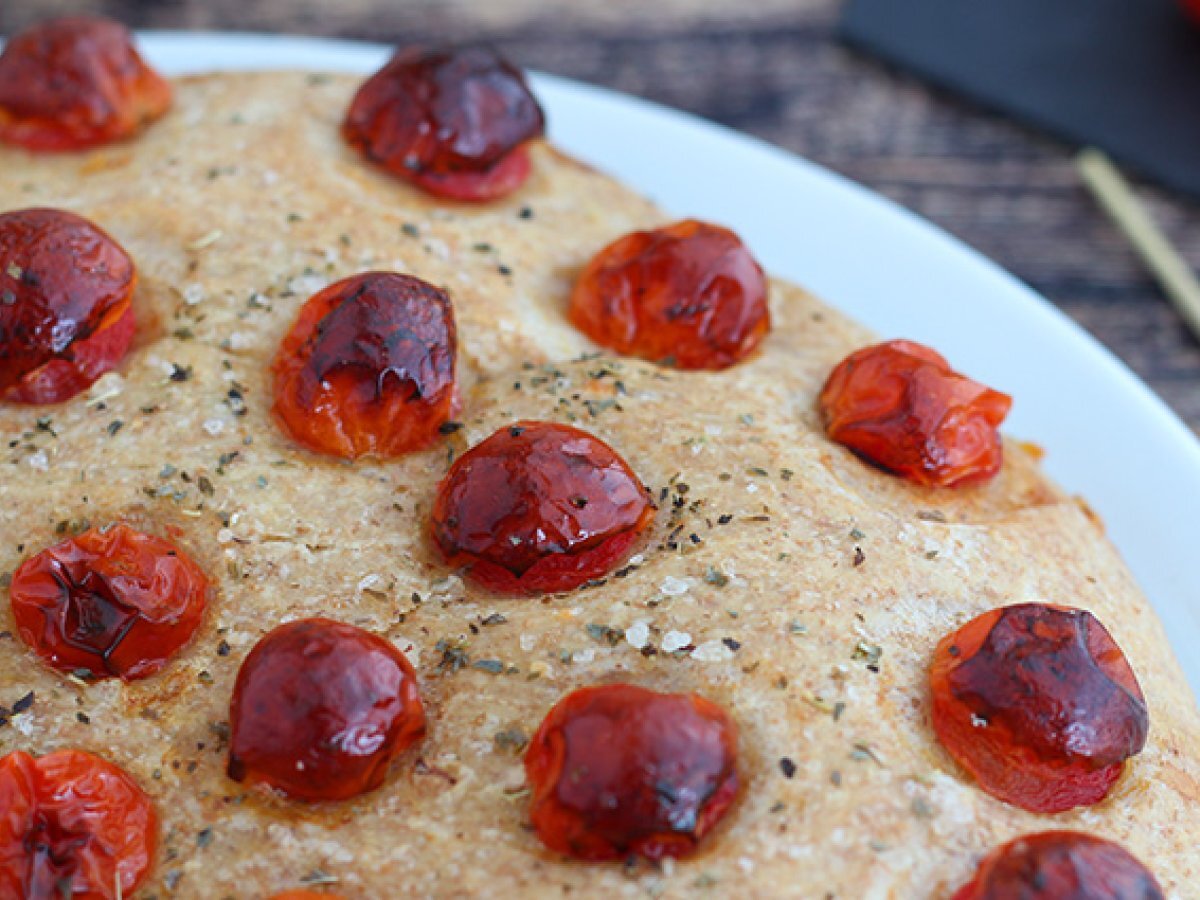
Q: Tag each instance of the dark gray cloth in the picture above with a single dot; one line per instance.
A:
(1123, 75)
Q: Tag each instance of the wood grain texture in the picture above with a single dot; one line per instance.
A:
(773, 68)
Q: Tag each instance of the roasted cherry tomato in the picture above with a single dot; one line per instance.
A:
(72, 825)
(900, 406)
(454, 122)
(1061, 865)
(689, 295)
(619, 770)
(538, 508)
(110, 602)
(1039, 704)
(320, 710)
(75, 83)
(368, 367)
(65, 314)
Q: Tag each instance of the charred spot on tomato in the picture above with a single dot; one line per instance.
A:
(110, 602)
(65, 311)
(75, 83)
(1061, 865)
(1039, 704)
(74, 825)
(690, 295)
(320, 709)
(539, 508)
(900, 406)
(453, 121)
(619, 770)
(368, 367)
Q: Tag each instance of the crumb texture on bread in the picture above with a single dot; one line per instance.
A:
(806, 590)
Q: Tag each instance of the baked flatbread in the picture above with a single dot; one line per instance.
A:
(786, 574)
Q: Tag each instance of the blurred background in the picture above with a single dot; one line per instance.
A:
(775, 69)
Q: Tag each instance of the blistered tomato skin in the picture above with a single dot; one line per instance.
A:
(368, 368)
(73, 825)
(900, 406)
(539, 508)
(320, 709)
(1061, 865)
(76, 83)
(689, 295)
(108, 603)
(1039, 704)
(65, 312)
(619, 770)
(455, 122)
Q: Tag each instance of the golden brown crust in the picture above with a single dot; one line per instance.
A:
(240, 204)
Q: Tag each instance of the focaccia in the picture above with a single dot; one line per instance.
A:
(803, 590)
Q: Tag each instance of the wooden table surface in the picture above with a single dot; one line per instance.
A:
(773, 68)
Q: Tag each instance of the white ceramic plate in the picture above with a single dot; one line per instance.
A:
(1108, 436)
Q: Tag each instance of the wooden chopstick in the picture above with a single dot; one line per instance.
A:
(1115, 195)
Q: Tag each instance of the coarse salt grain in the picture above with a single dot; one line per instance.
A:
(674, 587)
(449, 588)
(638, 634)
(39, 461)
(213, 426)
(207, 240)
(712, 651)
(675, 640)
(307, 285)
(513, 779)
(371, 582)
(107, 386)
